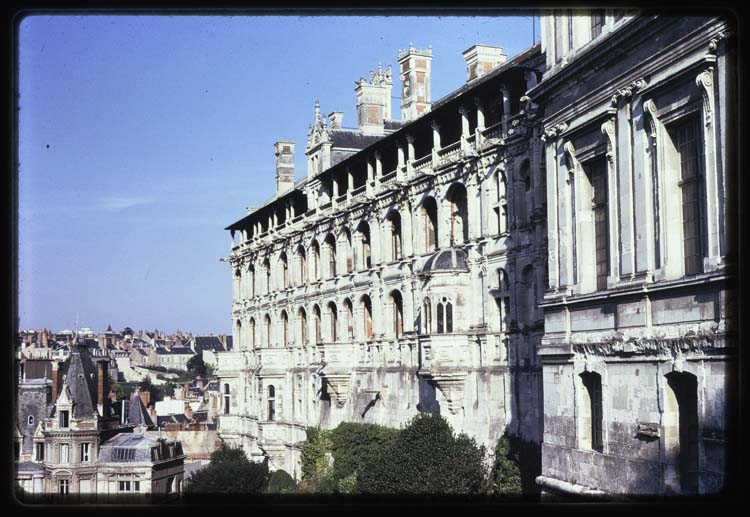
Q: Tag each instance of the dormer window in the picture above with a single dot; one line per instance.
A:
(64, 419)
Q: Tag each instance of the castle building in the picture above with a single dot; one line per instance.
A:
(638, 348)
(545, 251)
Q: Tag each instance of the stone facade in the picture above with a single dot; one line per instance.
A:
(544, 251)
(393, 284)
(638, 346)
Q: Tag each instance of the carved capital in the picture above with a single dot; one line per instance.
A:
(705, 83)
(435, 126)
(608, 129)
(553, 132)
(628, 91)
(713, 45)
(649, 110)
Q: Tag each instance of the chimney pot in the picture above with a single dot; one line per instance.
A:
(481, 59)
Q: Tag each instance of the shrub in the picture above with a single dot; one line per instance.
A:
(281, 482)
(315, 461)
(426, 457)
(506, 475)
(357, 447)
(230, 472)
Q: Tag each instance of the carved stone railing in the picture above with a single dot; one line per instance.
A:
(422, 164)
(450, 153)
(495, 131)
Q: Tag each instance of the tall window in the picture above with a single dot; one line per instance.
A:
(267, 325)
(302, 259)
(459, 215)
(284, 270)
(394, 221)
(427, 316)
(271, 403)
(333, 321)
(503, 298)
(63, 486)
(348, 320)
(367, 317)
(331, 249)
(686, 138)
(267, 271)
(348, 251)
(316, 323)
(315, 261)
(64, 419)
(398, 314)
(227, 399)
(284, 329)
(570, 30)
(39, 451)
(64, 453)
(430, 224)
(303, 326)
(85, 452)
(597, 22)
(681, 429)
(238, 326)
(597, 174)
(593, 410)
(252, 333)
(500, 205)
(444, 316)
(251, 281)
(364, 245)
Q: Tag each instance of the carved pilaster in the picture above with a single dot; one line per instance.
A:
(608, 129)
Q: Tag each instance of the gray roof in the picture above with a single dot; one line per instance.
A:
(208, 343)
(451, 259)
(127, 447)
(137, 414)
(81, 381)
(352, 138)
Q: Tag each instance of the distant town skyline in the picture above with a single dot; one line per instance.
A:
(143, 137)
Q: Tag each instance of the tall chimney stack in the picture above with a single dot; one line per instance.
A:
(374, 101)
(284, 152)
(480, 59)
(415, 82)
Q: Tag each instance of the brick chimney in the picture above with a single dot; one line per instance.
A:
(335, 119)
(415, 82)
(374, 101)
(102, 384)
(55, 380)
(145, 397)
(480, 59)
(284, 166)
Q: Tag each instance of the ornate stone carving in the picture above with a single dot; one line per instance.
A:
(713, 45)
(649, 111)
(452, 388)
(608, 129)
(554, 131)
(628, 91)
(705, 82)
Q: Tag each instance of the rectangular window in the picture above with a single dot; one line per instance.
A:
(136, 486)
(570, 30)
(39, 451)
(124, 486)
(597, 172)
(63, 486)
(558, 37)
(597, 22)
(685, 136)
(64, 419)
(85, 452)
(64, 452)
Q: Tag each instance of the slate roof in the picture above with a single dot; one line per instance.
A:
(175, 351)
(208, 343)
(451, 259)
(137, 414)
(128, 448)
(171, 419)
(81, 381)
(352, 138)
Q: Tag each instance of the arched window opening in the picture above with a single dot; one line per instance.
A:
(302, 260)
(459, 215)
(316, 323)
(271, 403)
(348, 250)
(430, 224)
(251, 281)
(237, 284)
(227, 399)
(363, 232)
(427, 316)
(444, 316)
(284, 329)
(302, 316)
(500, 204)
(315, 257)
(348, 320)
(367, 317)
(394, 222)
(330, 244)
(267, 324)
(398, 314)
(284, 270)
(591, 412)
(252, 333)
(267, 271)
(526, 295)
(333, 322)
(681, 432)
(238, 333)
(449, 317)
(522, 198)
(440, 319)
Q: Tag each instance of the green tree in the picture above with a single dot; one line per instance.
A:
(427, 458)
(230, 472)
(315, 459)
(356, 447)
(196, 366)
(281, 482)
(506, 476)
(155, 392)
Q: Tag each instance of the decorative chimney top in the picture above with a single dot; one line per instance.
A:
(480, 59)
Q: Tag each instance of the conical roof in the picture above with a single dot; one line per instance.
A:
(80, 380)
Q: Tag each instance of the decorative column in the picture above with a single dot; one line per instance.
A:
(463, 110)
(506, 107)
(435, 142)
(401, 161)
(409, 154)
(480, 123)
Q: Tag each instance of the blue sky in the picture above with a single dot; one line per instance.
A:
(142, 137)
